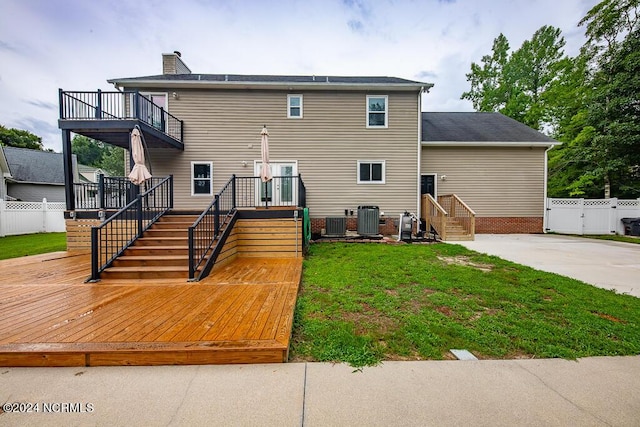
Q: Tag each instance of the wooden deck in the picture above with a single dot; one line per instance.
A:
(242, 313)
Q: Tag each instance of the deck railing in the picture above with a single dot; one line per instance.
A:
(206, 229)
(459, 213)
(115, 105)
(238, 192)
(280, 191)
(110, 192)
(116, 234)
(434, 215)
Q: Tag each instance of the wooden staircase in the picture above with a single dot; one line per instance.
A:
(161, 253)
(449, 216)
(456, 231)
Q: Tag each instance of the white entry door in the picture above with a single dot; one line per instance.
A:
(282, 190)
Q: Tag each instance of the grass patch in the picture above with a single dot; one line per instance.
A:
(364, 303)
(615, 238)
(32, 244)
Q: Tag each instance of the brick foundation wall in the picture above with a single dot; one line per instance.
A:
(387, 228)
(508, 225)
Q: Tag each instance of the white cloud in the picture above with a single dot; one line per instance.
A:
(79, 44)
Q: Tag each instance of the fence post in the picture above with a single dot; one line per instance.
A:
(45, 208)
(3, 217)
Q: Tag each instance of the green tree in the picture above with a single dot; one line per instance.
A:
(611, 149)
(113, 160)
(20, 138)
(95, 153)
(488, 89)
(515, 84)
(88, 151)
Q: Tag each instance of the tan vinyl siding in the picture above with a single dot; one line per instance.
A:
(493, 181)
(224, 127)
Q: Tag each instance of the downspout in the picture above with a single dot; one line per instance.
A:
(546, 177)
(418, 197)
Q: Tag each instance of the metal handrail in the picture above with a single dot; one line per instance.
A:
(209, 229)
(111, 238)
(206, 228)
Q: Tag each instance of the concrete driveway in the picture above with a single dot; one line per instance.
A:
(608, 265)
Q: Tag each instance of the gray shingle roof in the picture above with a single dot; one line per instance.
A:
(477, 127)
(240, 78)
(34, 165)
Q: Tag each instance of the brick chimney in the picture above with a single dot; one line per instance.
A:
(172, 64)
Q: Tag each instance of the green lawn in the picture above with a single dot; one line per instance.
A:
(32, 244)
(364, 303)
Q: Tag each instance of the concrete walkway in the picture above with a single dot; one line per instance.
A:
(605, 264)
(600, 391)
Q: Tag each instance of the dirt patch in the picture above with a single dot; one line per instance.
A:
(607, 316)
(464, 260)
(370, 317)
(443, 309)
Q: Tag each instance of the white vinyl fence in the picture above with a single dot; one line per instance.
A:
(583, 216)
(31, 217)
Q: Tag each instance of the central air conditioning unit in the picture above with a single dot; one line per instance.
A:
(368, 220)
(336, 226)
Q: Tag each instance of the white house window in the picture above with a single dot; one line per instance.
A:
(294, 106)
(201, 178)
(377, 109)
(371, 171)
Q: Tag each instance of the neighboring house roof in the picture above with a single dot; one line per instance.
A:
(473, 128)
(4, 165)
(272, 81)
(88, 173)
(35, 166)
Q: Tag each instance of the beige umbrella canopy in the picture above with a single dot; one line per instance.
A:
(139, 173)
(265, 171)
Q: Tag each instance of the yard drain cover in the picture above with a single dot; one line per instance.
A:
(463, 355)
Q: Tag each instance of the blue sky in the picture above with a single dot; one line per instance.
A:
(79, 44)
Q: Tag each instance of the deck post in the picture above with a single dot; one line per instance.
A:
(95, 274)
(99, 105)
(163, 122)
(101, 201)
(171, 191)
(67, 157)
(139, 213)
(136, 104)
(216, 217)
(233, 191)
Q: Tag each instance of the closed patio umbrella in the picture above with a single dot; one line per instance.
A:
(265, 171)
(139, 173)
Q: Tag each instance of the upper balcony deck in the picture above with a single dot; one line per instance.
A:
(110, 116)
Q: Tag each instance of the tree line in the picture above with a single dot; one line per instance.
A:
(88, 151)
(590, 102)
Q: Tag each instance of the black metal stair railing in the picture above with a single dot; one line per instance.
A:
(111, 238)
(209, 231)
(206, 229)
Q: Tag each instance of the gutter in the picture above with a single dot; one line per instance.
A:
(392, 87)
(548, 144)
